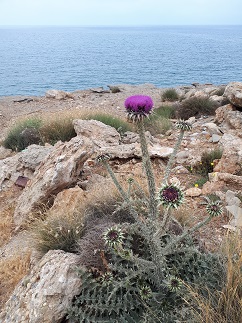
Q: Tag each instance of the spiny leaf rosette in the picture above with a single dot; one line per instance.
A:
(138, 107)
(183, 125)
(114, 236)
(170, 195)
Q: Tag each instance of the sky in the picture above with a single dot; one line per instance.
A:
(120, 12)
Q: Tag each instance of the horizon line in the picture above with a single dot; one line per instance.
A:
(120, 25)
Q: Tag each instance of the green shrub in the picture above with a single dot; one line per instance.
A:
(40, 131)
(114, 89)
(196, 106)
(206, 165)
(170, 95)
(119, 124)
(15, 139)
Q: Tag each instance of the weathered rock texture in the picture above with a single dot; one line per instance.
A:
(60, 170)
(46, 293)
(101, 135)
(58, 95)
(22, 164)
(233, 92)
(231, 160)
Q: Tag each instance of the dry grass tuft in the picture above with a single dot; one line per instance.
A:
(12, 270)
(224, 306)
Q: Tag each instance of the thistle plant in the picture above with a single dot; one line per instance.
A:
(147, 266)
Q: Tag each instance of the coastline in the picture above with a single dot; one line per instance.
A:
(89, 100)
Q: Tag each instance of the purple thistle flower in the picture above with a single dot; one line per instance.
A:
(138, 106)
(170, 195)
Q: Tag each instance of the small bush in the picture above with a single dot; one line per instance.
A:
(170, 95)
(15, 139)
(206, 165)
(196, 106)
(58, 231)
(119, 124)
(57, 129)
(115, 89)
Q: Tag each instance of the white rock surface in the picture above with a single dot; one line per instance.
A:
(60, 170)
(233, 92)
(44, 295)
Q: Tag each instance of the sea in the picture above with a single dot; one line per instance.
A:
(34, 59)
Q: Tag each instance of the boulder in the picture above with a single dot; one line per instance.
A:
(193, 192)
(44, 295)
(60, 170)
(101, 134)
(67, 201)
(233, 92)
(58, 95)
(232, 155)
(23, 163)
(212, 128)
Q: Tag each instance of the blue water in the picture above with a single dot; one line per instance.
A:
(35, 59)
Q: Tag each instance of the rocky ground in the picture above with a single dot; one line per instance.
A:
(66, 161)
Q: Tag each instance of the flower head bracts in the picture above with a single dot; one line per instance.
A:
(170, 195)
(145, 292)
(114, 236)
(103, 157)
(183, 125)
(214, 208)
(138, 107)
(173, 283)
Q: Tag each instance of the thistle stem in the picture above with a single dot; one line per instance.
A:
(164, 223)
(116, 182)
(148, 169)
(170, 246)
(172, 157)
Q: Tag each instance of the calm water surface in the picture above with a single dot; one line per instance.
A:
(35, 59)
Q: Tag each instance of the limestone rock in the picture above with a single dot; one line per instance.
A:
(211, 187)
(68, 200)
(101, 134)
(58, 95)
(193, 192)
(23, 163)
(233, 92)
(133, 150)
(231, 198)
(44, 295)
(4, 152)
(232, 155)
(222, 112)
(217, 98)
(60, 170)
(230, 179)
(212, 128)
(236, 211)
(216, 138)
(182, 156)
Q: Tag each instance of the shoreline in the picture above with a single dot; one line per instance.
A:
(89, 100)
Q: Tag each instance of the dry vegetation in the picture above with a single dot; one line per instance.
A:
(12, 270)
